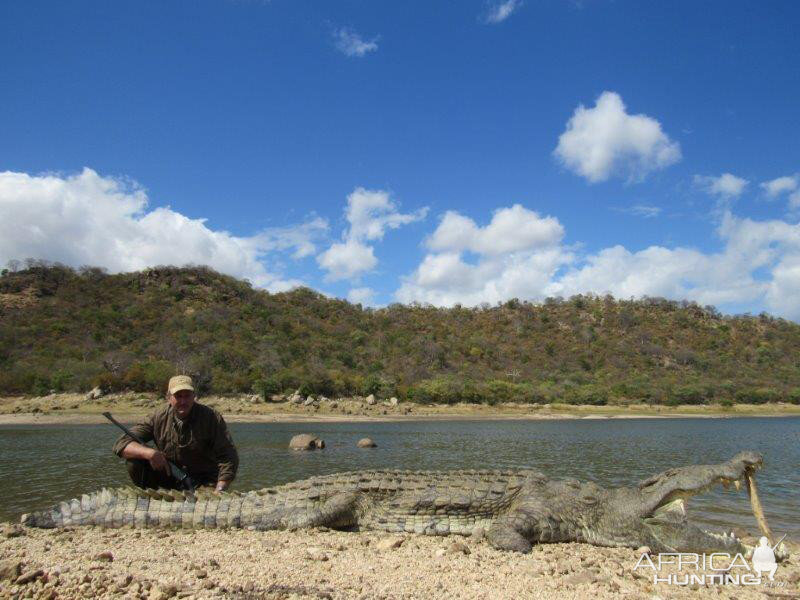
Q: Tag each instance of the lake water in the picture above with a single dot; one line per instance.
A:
(44, 464)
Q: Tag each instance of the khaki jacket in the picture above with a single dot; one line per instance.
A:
(201, 445)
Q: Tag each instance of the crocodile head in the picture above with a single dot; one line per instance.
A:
(654, 512)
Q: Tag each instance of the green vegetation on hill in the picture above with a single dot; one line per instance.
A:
(68, 330)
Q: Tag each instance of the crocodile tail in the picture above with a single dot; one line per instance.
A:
(150, 508)
(106, 508)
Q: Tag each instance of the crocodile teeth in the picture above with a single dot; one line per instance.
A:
(737, 484)
(726, 483)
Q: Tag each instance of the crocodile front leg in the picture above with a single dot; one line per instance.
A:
(337, 511)
(504, 534)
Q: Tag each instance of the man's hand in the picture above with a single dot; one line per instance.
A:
(156, 458)
(159, 462)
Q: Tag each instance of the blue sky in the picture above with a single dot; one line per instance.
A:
(436, 152)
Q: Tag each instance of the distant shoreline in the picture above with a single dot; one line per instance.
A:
(130, 407)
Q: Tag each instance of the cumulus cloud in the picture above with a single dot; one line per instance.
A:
(726, 186)
(606, 141)
(347, 260)
(87, 219)
(361, 295)
(518, 253)
(369, 214)
(510, 230)
(500, 11)
(349, 43)
(758, 264)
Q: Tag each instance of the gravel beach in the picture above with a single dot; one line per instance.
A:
(153, 564)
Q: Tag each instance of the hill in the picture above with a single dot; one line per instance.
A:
(68, 330)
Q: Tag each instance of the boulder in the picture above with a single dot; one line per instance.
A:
(11, 530)
(306, 441)
(10, 569)
(296, 399)
(95, 393)
(393, 401)
(309, 401)
(366, 443)
(255, 399)
(371, 400)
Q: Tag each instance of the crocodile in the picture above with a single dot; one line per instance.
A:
(513, 508)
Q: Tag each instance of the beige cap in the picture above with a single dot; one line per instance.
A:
(180, 382)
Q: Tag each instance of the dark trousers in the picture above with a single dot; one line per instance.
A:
(144, 476)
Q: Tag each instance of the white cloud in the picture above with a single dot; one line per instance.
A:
(510, 230)
(606, 141)
(369, 214)
(361, 295)
(300, 238)
(785, 185)
(500, 11)
(758, 264)
(726, 186)
(347, 260)
(350, 43)
(781, 185)
(518, 254)
(87, 219)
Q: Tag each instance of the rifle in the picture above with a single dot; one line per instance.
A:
(174, 470)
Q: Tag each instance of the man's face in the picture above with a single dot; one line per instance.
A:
(182, 402)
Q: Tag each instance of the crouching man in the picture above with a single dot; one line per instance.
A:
(191, 435)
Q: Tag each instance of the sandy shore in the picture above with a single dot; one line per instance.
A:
(75, 408)
(91, 562)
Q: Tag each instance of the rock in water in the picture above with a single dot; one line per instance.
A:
(366, 443)
(306, 441)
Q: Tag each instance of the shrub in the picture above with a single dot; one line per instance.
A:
(757, 396)
(587, 394)
(688, 394)
(793, 396)
(266, 387)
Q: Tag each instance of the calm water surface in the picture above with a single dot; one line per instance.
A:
(43, 464)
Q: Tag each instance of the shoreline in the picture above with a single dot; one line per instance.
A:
(97, 419)
(69, 409)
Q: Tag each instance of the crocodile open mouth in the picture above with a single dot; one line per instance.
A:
(673, 506)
